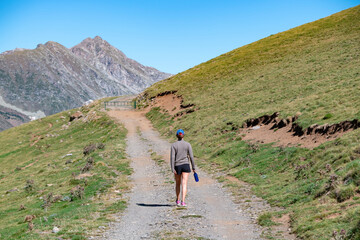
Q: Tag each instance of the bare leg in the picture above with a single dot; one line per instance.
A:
(177, 188)
(184, 180)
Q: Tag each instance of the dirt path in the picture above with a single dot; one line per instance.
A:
(152, 214)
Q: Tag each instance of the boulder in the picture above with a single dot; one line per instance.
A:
(55, 230)
(76, 115)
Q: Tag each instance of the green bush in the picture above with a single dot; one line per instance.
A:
(344, 193)
(265, 220)
(353, 173)
(327, 116)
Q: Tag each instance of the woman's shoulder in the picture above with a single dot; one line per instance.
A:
(181, 142)
(175, 143)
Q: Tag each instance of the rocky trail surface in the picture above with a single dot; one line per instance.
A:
(152, 214)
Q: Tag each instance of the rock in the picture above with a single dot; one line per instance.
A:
(289, 120)
(55, 230)
(89, 149)
(31, 226)
(29, 218)
(57, 198)
(66, 199)
(282, 123)
(66, 155)
(12, 190)
(76, 115)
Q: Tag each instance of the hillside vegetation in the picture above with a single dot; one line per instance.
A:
(57, 173)
(312, 71)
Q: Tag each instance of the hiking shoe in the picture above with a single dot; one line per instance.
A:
(183, 204)
(178, 203)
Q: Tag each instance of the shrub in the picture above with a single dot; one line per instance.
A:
(344, 193)
(77, 192)
(327, 116)
(265, 220)
(89, 148)
(88, 166)
(354, 233)
(353, 176)
(30, 186)
(100, 146)
(48, 200)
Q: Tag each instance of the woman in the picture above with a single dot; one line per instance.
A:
(181, 152)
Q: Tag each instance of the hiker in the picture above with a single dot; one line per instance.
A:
(181, 153)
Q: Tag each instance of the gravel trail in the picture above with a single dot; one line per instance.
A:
(152, 214)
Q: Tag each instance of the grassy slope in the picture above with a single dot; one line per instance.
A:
(74, 218)
(312, 69)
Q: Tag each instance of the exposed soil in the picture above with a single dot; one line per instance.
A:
(285, 132)
(151, 214)
(83, 175)
(267, 128)
(283, 226)
(172, 104)
(29, 165)
(35, 139)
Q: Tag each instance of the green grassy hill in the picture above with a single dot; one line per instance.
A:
(68, 174)
(312, 69)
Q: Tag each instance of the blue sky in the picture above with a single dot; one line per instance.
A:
(170, 35)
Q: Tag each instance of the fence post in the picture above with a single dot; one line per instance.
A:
(134, 104)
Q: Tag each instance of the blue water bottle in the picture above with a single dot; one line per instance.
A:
(196, 177)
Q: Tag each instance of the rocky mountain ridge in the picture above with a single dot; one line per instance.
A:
(53, 78)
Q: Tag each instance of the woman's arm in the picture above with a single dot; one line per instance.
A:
(172, 159)
(191, 155)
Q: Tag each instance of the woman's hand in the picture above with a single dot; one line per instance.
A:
(175, 172)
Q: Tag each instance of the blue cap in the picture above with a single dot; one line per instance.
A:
(180, 131)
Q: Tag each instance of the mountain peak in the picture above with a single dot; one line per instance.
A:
(95, 40)
(98, 38)
(52, 44)
(52, 78)
(113, 62)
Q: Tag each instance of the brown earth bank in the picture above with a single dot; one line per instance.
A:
(170, 103)
(264, 129)
(285, 132)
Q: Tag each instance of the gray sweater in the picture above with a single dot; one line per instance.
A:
(181, 152)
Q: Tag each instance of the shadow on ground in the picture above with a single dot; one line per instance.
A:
(154, 205)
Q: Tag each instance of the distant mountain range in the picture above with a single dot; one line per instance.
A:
(53, 78)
